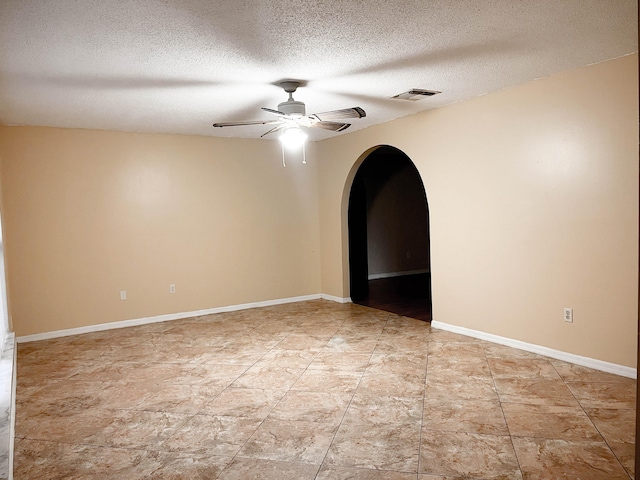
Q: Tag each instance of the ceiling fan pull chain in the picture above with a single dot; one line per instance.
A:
(282, 148)
(304, 155)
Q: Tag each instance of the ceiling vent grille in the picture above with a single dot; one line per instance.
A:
(416, 94)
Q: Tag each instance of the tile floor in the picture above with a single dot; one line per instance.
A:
(313, 390)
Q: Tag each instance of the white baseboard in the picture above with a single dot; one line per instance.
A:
(174, 316)
(601, 365)
(377, 276)
(333, 298)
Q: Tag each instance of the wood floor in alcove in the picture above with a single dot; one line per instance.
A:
(408, 295)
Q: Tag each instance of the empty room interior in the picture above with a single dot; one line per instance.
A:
(439, 283)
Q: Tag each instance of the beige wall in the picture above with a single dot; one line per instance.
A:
(90, 213)
(532, 191)
(533, 197)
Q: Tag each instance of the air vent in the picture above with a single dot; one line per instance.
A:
(416, 94)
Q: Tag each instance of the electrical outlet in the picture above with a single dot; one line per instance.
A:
(123, 294)
(568, 315)
(172, 288)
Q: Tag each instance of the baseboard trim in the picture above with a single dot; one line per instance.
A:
(378, 276)
(333, 298)
(601, 365)
(168, 317)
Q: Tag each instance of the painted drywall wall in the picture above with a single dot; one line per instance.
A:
(90, 213)
(533, 201)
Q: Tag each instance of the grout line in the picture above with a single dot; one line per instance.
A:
(584, 410)
(500, 403)
(424, 399)
(352, 396)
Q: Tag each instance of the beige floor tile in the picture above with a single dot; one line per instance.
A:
(325, 408)
(60, 395)
(181, 353)
(383, 364)
(402, 385)
(470, 416)
(331, 472)
(604, 395)
(182, 398)
(459, 350)
(576, 373)
(70, 426)
(542, 459)
(468, 455)
(288, 358)
(268, 378)
(522, 368)
(403, 346)
(276, 392)
(141, 353)
(343, 362)
(186, 466)
(219, 375)
(89, 462)
(534, 391)
(246, 468)
(301, 341)
(379, 447)
(373, 328)
(212, 435)
(39, 459)
(252, 343)
(110, 463)
(234, 355)
(351, 344)
(118, 372)
(452, 369)
(548, 421)
(290, 441)
(136, 429)
(399, 324)
(442, 336)
(322, 381)
(371, 409)
(244, 402)
(130, 395)
(30, 374)
(446, 388)
(440, 477)
(618, 429)
(502, 351)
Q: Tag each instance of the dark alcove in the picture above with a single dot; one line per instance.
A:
(389, 260)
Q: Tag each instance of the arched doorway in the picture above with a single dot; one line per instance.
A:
(389, 247)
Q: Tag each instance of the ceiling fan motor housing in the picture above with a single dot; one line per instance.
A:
(292, 107)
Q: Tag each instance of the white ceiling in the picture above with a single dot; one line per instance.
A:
(179, 66)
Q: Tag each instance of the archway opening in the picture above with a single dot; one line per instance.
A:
(389, 246)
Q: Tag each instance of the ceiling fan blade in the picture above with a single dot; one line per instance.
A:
(275, 112)
(249, 122)
(355, 112)
(333, 126)
(273, 130)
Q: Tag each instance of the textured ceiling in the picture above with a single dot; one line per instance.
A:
(179, 66)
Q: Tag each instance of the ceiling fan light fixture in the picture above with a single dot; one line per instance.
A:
(292, 137)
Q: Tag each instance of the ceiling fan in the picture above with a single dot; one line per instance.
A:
(291, 115)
